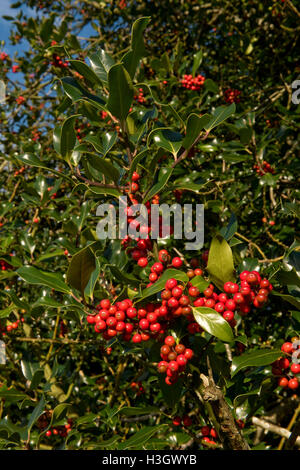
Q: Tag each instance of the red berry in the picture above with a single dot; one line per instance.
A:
(295, 368)
(177, 262)
(142, 262)
(287, 347)
(186, 420)
(169, 341)
(177, 421)
(170, 284)
(293, 384)
(136, 338)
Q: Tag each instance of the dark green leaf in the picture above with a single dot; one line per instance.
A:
(259, 357)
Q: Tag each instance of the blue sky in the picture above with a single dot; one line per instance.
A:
(5, 27)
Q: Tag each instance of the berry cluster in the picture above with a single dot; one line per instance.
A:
(207, 434)
(193, 83)
(174, 359)
(137, 387)
(143, 242)
(62, 431)
(122, 4)
(285, 369)
(20, 99)
(232, 96)
(140, 97)
(80, 131)
(15, 68)
(252, 290)
(4, 265)
(36, 135)
(264, 168)
(265, 221)
(185, 421)
(3, 56)
(123, 319)
(54, 195)
(57, 61)
(10, 326)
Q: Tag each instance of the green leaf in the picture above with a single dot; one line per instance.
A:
(164, 176)
(29, 368)
(138, 440)
(195, 124)
(200, 282)
(123, 277)
(220, 114)
(101, 63)
(33, 275)
(120, 91)
(104, 166)
(138, 410)
(213, 323)
(220, 262)
(229, 231)
(80, 269)
(27, 242)
(89, 289)
(85, 71)
(171, 394)
(12, 394)
(76, 93)
(37, 412)
(211, 86)
(6, 311)
(258, 358)
(64, 138)
(160, 283)
(59, 413)
(108, 141)
(33, 160)
(197, 62)
(288, 298)
(137, 47)
(166, 138)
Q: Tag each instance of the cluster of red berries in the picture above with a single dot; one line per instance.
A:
(36, 135)
(192, 83)
(232, 96)
(122, 4)
(207, 434)
(20, 99)
(265, 221)
(123, 319)
(80, 132)
(253, 290)
(15, 68)
(140, 324)
(54, 195)
(137, 387)
(4, 265)
(20, 171)
(144, 242)
(140, 97)
(103, 114)
(174, 359)
(285, 369)
(3, 56)
(62, 431)
(265, 167)
(10, 326)
(57, 61)
(185, 421)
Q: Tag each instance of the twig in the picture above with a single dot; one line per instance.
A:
(251, 243)
(274, 428)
